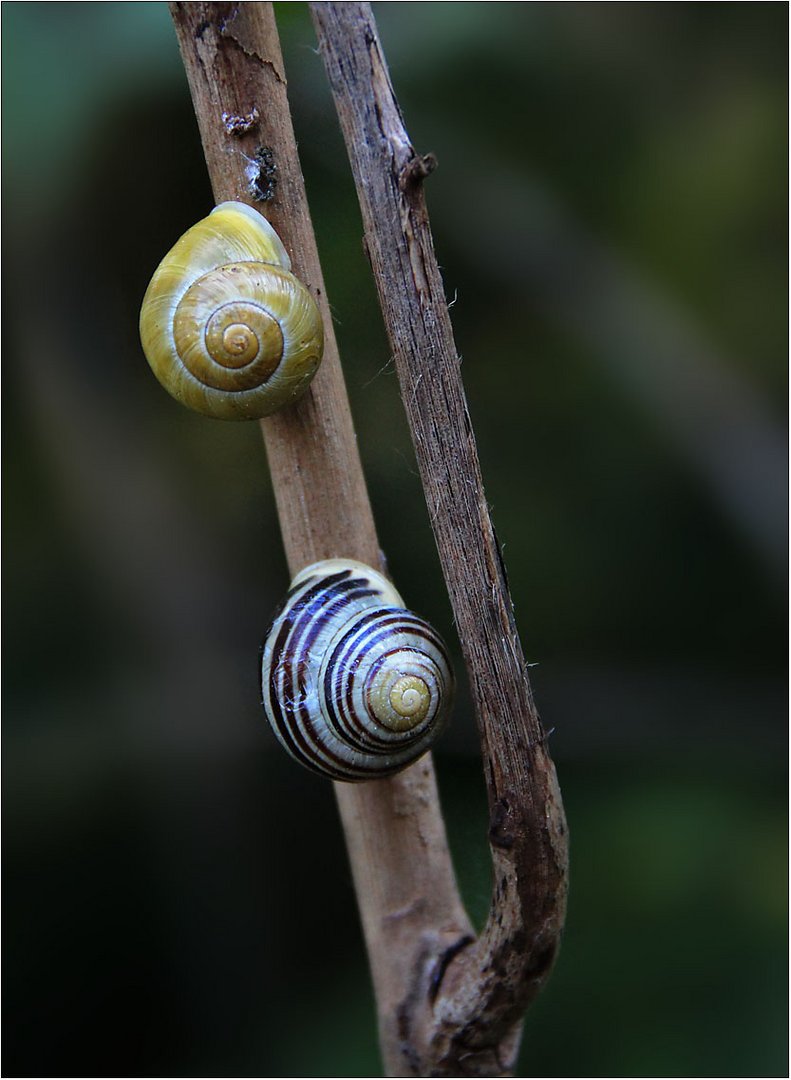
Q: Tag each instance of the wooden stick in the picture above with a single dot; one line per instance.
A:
(447, 1005)
(488, 986)
(409, 903)
(232, 57)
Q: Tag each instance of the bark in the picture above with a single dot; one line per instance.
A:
(489, 985)
(448, 1004)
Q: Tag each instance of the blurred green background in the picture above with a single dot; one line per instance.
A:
(610, 213)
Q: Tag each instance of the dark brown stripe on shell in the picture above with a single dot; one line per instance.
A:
(344, 664)
(290, 735)
(301, 625)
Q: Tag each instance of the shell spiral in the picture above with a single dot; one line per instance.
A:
(354, 686)
(226, 327)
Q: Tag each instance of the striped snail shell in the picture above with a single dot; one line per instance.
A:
(354, 686)
(226, 327)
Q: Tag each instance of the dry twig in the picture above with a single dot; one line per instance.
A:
(448, 1004)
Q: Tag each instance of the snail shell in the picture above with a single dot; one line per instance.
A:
(226, 327)
(354, 686)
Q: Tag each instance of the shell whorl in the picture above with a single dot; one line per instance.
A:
(354, 686)
(226, 327)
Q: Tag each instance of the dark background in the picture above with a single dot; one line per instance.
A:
(610, 213)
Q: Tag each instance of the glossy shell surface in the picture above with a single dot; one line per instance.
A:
(226, 327)
(354, 686)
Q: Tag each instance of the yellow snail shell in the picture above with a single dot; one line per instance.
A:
(226, 327)
(354, 686)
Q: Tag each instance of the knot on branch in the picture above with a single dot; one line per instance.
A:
(416, 170)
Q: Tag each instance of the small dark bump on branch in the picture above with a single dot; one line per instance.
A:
(500, 833)
(416, 170)
(261, 174)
